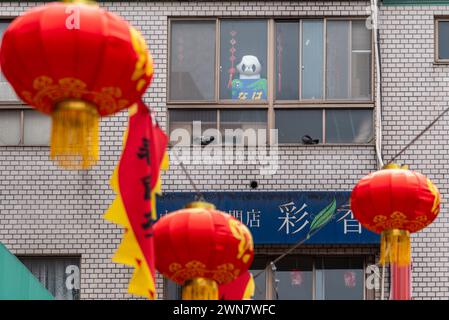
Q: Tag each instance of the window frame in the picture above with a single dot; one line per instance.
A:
(11, 103)
(323, 133)
(270, 293)
(22, 108)
(218, 122)
(216, 102)
(271, 104)
(436, 53)
(79, 257)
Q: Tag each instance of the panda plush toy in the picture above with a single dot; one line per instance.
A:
(249, 86)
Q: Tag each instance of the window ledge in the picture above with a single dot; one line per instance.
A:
(441, 63)
(24, 146)
(325, 145)
(5, 105)
(282, 145)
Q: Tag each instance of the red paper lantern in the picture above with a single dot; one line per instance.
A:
(200, 248)
(395, 202)
(75, 62)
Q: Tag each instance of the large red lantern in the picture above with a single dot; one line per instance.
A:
(200, 248)
(395, 202)
(75, 62)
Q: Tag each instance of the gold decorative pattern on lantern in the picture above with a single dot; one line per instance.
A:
(246, 245)
(222, 274)
(436, 201)
(48, 92)
(144, 63)
(397, 220)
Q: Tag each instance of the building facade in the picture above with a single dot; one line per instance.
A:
(304, 68)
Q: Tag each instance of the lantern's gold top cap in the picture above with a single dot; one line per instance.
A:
(200, 205)
(395, 166)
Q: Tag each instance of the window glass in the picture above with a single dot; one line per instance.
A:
(287, 60)
(295, 275)
(297, 125)
(349, 126)
(60, 276)
(10, 132)
(260, 277)
(243, 59)
(340, 279)
(192, 60)
(37, 128)
(242, 126)
(361, 61)
(173, 291)
(189, 126)
(312, 59)
(337, 59)
(443, 39)
(6, 91)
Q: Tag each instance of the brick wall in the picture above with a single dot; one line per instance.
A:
(415, 92)
(48, 211)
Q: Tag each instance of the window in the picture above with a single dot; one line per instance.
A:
(60, 275)
(349, 126)
(442, 41)
(243, 60)
(331, 54)
(287, 60)
(192, 61)
(196, 123)
(310, 78)
(7, 93)
(295, 277)
(310, 278)
(19, 126)
(313, 126)
(172, 290)
(339, 279)
(260, 277)
(294, 125)
(241, 66)
(223, 126)
(24, 127)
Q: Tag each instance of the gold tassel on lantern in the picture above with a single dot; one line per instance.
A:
(200, 289)
(395, 247)
(74, 134)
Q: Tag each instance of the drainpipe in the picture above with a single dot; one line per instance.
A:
(378, 127)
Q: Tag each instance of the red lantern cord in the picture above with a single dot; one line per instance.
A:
(400, 282)
(231, 70)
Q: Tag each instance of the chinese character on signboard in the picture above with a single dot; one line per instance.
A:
(293, 219)
(350, 225)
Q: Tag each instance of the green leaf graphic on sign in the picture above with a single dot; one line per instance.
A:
(323, 217)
